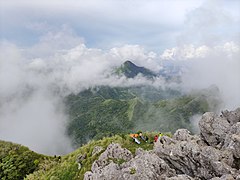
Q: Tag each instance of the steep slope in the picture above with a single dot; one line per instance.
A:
(100, 112)
(104, 111)
(74, 165)
(17, 161)
(170, 114)
(214, 154)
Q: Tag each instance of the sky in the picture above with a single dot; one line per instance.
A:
(153, 24)
(50, 49)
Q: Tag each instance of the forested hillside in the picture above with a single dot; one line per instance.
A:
(104, 111)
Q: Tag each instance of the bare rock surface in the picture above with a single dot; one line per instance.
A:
(214, 154)
(232, 116)
(145, 165)
(213, 129)
(113, 152)
(97, 150)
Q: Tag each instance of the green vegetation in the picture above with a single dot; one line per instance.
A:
(17, 161)
(109, 114)
(130, 70)
(105, 111)
(117, 161)
(67, 166)
(175, 113)
(94, 115)
(132, 171)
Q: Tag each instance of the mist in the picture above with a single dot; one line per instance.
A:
(35, 78)
(32, 111)
(218, 68)
(209, 48)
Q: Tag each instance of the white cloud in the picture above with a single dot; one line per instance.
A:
(211, 23)
(34, 77)
(220, 66)
(101, 22)
(137, 54)
(154, 24)
(210, 65)
(36, 81)
(33, 81)
(35, 120)
(190, 51)
(54, 41)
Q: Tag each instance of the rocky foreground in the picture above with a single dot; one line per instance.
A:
(214, 154)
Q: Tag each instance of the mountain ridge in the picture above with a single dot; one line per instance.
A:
(95, 113)
(130, 70)
(214, 154)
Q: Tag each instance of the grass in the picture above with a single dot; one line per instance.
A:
(117, 161)
(132, 171)
(67, 166)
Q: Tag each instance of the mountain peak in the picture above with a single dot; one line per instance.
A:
(129, 63)
(130, 70)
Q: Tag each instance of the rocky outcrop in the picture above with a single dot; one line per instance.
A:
(232, 116)
(191, 158)
(79, 160)
(214, 154)
(97, 150)
(145, 165)
(114, 152)
(232, 140)
(214, 129)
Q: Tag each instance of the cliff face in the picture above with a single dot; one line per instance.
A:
(214, 154)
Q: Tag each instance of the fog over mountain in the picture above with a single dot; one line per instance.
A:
(36, 76)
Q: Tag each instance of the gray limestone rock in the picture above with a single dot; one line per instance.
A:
(97, 150)
(232, 141)
(113, 151)
(145, 165)
(214, 154)
(213, 129)
(81, 157)
(224, 177)
(180, 177)
(182, 135)
(191, 159)
(232, 116)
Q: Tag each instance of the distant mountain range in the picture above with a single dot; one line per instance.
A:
(110, 114)
(104, 111)
(170, 72)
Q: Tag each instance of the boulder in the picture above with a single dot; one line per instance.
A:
(145, 165)
(214, 154)
(182, 135)
(213, 129)
(232, 116)
(187, 157)
(113, 151)
(232, 141)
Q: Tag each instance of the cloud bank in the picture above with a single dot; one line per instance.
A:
(35, 80)
(75, 45)
(32, 87)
